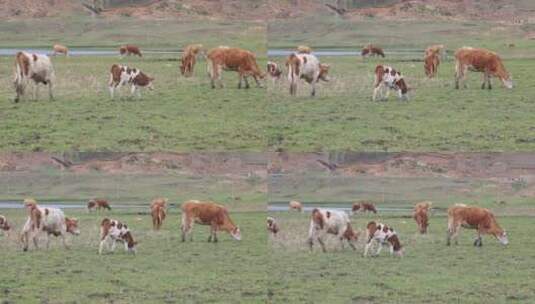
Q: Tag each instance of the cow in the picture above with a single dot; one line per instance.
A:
(336, 222)
(60, 49)
(274, 71)
(113, 231)
(4, 224)
(121, 75)
(437, 49)
(130, 49)
(387, 78)
(372, 50)
(363, 207)
(383, 235)
(189, 58)
(483, 61)
(303, 49)
(431, 63)
(272, 225)
(36, 69)
(158, 212)
(307, 67)
(471, 217)
(295, 205)
(421, 217)
(233, 59)
(47, 220)
(98, 204)
(207, 213)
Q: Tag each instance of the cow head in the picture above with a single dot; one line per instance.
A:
(72, 226)
(365, 51)
(236, 234)
(324, 70)
(508, 82)
(502, 237)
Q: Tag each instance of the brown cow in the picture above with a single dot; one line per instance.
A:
(272, 225)
(60, 49)
(303, 49)
(372, 50)
(98, 204)
(481, 219)
(207, 213)
(431, 63)
(295, 205)
(421, 217)
(233, 59)
(483, 61)
(363, 207)
(130, 49)
(158, 212)
(189, 58)
(437, 49)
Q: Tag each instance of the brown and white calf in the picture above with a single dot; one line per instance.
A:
(482, 61)
(189, 58)
(60, 49)
(224, 58)
(130, 49)
(98, 204)
(307, 67)
(210, 214)
(421, 216)
(295, 205)
(158, 211)
(46, 220)
(274, 71)
(386, 79)
(334, 222)
(33, 69)
(363, 207)
(121, 75)
(4, 224)
(113, 231)
(272, 225)
(477, 218)
(382, 235)
(372, 50)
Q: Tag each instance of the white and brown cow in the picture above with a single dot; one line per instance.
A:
(477, 218)
(210, 214)
(113, 231)
(4, 224)
(130, 49)
(307, 67)
(274, 71)
(272, 225)
(51, 221)
(483, 61)
(335, 222)
(386, 79)
(36, 69)
(121, 75)
(382, 235)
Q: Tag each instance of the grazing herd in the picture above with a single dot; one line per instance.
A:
(300, 65)
(337, 223)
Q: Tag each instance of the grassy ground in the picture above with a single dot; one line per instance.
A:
(437, 118)
(165, 270)
(430, 272)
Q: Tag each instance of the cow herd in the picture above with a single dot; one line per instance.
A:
(300, 65)
(337, 223)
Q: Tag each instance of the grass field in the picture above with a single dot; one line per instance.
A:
(165, 270)
(429, 272)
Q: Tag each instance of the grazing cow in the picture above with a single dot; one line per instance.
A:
(386, 78)
(437, 49)
(272, 225)
(481, 219)
(382, 234)
(189, 58)
(98, 204)
(112, 231)
(207, 213)
(158, 212)
(363, 207)
(33, 68)
(49, 220)
(483, 61)
(233, 59)
(307, 67)
(372, 50)
(4, 225)
(274, 71)
(324, 221)
(121, 75)
(431, 63)
(295, 205)
(130, 50)
(421, 217)
(60, 49)
(303, 49)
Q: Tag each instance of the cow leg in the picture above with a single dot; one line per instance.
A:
(322, 244)
(133, 89)
(367, 248)
(35, 241)
(293, 88)
(258, 84)
(25, 238)
(50, 93)
(386, 93)
(102, 244)
(313, 93)
(64, 240)
(35, 91)
(310, 242)
(489, 82)
(375, 92)
(187, 227)
(246, 82)
(379, 249)
(47, 241)
(113, 244)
